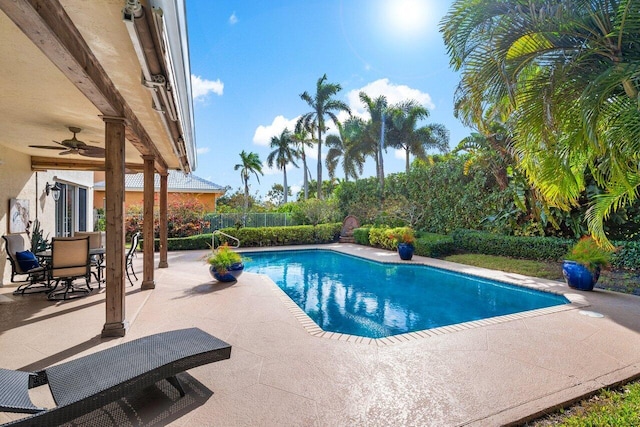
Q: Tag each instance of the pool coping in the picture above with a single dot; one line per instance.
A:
(576, 301)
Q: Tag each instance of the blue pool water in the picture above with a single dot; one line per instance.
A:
(351, 295)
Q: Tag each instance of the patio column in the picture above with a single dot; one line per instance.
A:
(164, 223)
(147, 223)
(116, 325)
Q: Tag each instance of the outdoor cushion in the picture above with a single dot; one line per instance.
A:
(27, 260)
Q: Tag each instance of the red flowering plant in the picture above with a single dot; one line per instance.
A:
(402, 235)
(588, 253)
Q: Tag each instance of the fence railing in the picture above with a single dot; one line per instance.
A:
(225, 220)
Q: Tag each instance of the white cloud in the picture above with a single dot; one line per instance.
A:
(203, 150)
(263, 134)
(233, 19)
(400, 154)
(200, 87)
(394, 94)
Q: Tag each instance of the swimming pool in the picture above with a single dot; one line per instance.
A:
(355, 296)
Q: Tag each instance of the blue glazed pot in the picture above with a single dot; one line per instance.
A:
(405, 250)
(578, 276)
(232, 274)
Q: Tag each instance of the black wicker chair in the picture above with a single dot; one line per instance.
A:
(90, 382)
(135, 240)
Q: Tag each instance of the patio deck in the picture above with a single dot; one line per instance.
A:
(283, 373)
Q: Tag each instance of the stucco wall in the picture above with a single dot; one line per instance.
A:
(135, 198)
(17, 180)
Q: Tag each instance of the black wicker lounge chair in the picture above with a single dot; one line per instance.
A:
(90, 382)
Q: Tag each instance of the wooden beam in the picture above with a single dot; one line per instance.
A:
(49, 27)
(147, 225)
(116, 324)
(41, 164)
(164, 220)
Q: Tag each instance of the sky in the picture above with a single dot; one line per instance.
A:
(251, 60)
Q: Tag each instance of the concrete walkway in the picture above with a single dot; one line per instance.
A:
(285, 372)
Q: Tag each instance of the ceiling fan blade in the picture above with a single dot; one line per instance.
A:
(89, 151)
(64, 153)
(47, 147)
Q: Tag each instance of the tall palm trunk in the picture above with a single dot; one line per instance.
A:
(286, 189)
(380, 161)
(246, 200)
(319, 189)
(407, 165)
(305, 172)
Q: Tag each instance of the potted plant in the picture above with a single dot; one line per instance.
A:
(583, 263)
(225, 265)
(403, 238)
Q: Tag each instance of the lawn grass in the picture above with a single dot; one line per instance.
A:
(613, 408)
(619, 407)
(542, 269)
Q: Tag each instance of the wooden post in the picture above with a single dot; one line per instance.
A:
(164, 222)
(147, 227)
(116, 325)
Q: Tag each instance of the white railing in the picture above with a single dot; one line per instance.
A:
(213, 239)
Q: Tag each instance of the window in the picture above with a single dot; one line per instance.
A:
(71, 210)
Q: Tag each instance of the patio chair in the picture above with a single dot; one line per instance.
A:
(69, 261)
(135, 240)
(19, 258)
(90, 382)
(96, 240)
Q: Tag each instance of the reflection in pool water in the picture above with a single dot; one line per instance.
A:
(351, 295)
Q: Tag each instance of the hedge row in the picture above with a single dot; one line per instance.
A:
(427, 244)
(539, 248)
(260, 236)
(626, 255)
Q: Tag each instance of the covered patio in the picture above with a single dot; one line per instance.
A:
(116, 74)
(282, 372)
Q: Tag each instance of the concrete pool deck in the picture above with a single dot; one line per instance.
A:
(281, 373)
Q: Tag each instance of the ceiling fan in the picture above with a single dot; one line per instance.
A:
(74, 146)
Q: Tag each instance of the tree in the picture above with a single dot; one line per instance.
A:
(404, 135)
(322, 105)
(344, 146)
(372, 138)
(282, 155)
(250, 163)
(277, 195)
(568, 71)
(301, 139)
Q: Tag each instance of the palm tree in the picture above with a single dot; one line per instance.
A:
(282, 155)
(404, 135)
(301, 140)
(344, 145)
(322, 105)
(569, 72)
(250, 163)
(372, 138)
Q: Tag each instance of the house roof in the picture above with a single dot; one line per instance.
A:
(176, 182)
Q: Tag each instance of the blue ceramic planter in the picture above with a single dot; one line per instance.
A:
(578, 276)
(405, 250)
(232, 274)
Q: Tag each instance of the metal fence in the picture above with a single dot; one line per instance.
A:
(226, 220)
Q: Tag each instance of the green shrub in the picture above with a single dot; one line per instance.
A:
(539, 248)
(434, 245)
(379, 238)
(627, 255)
(361, 235)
